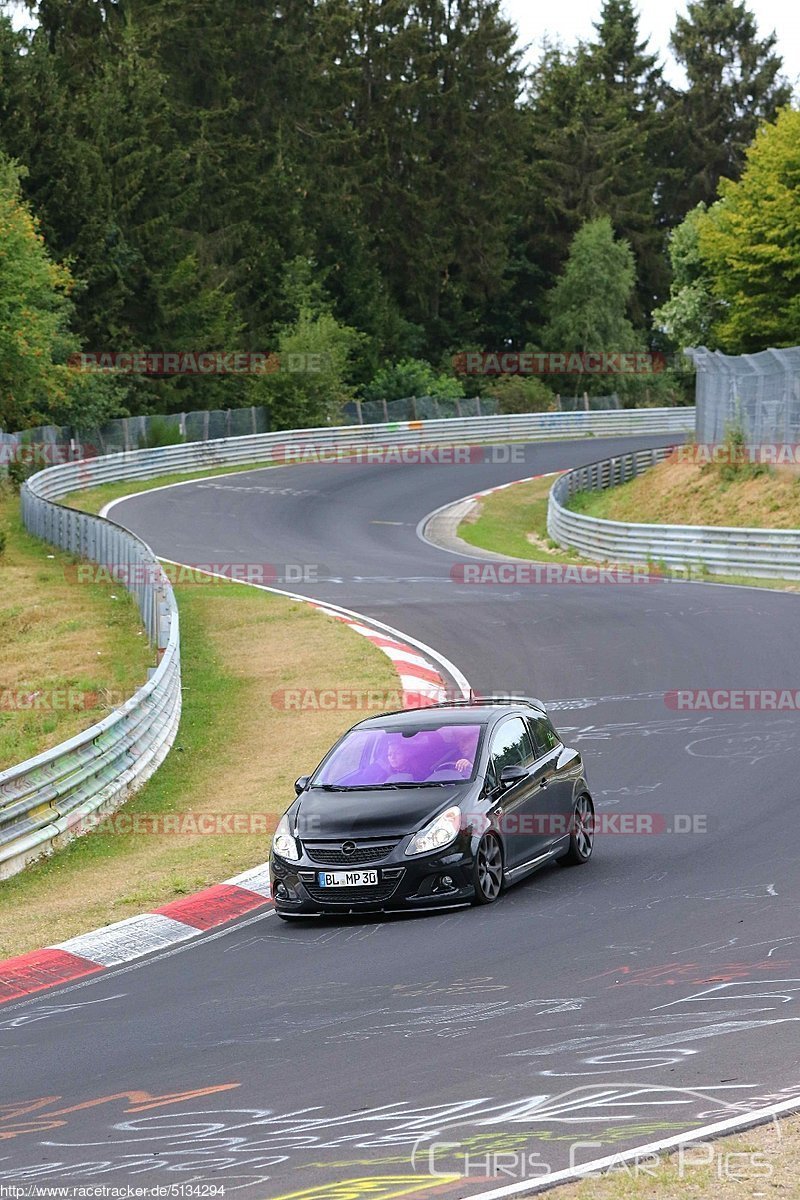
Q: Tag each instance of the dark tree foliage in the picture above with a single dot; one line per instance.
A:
(595, 116)
(189, 160)
(734, 84)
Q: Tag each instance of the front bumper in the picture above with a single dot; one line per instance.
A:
(430, 881)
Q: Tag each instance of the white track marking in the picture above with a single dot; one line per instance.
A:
(571, 1174)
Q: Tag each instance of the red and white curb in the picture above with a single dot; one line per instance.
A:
(422, 682)
(501, 487)
(134, 937)
(421, 669)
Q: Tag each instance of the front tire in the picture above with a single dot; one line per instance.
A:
(581, 833)
(487, 873)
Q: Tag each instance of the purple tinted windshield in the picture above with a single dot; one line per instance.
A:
(372, 757)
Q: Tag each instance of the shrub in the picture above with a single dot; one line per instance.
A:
(160, 432)
(20, 469)
(735, 465)
(412, 377)
(521, 394)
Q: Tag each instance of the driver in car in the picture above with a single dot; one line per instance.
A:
(460, 752)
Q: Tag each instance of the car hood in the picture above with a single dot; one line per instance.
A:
(380, 813)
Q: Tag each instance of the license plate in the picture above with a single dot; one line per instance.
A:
(347, 878)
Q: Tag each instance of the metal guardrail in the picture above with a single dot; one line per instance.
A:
(289, 445)
(47, 799)
(719, 550)
(56, 795)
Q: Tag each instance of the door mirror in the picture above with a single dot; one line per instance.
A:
(510, 775)
(301, 784)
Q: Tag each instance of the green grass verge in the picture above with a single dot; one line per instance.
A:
(69, 653)
(514, 522)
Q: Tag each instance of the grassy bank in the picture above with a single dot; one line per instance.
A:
(238, 751)
(683, 493)
(68, 652)
(513, 522)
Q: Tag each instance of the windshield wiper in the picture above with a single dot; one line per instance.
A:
(354, 787)
(378, 787)
(420, 783)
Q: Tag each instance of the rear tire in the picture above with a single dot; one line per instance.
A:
(581, 833)
(487, 873)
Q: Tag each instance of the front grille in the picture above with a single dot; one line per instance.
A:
(352, 895)
(331, 854)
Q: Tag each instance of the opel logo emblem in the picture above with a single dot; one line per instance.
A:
(348, 847)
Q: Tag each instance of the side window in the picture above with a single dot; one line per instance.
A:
(511, 746)
(545, 737)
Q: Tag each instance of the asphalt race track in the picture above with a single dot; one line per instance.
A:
(655, 990)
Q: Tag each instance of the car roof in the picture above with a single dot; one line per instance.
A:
(454, 712)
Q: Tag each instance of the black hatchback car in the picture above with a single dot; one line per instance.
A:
(432, 808)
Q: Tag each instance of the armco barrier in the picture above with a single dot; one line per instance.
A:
(721, 550)
(44, 800)
(267, 447)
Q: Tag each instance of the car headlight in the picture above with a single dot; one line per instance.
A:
(440, 833)
(283, 843)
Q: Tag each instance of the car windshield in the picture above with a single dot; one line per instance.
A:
(396, 757)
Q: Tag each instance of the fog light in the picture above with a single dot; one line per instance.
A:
(280, 892)
(447, 883)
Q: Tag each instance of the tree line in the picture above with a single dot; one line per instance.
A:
(382, 183)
